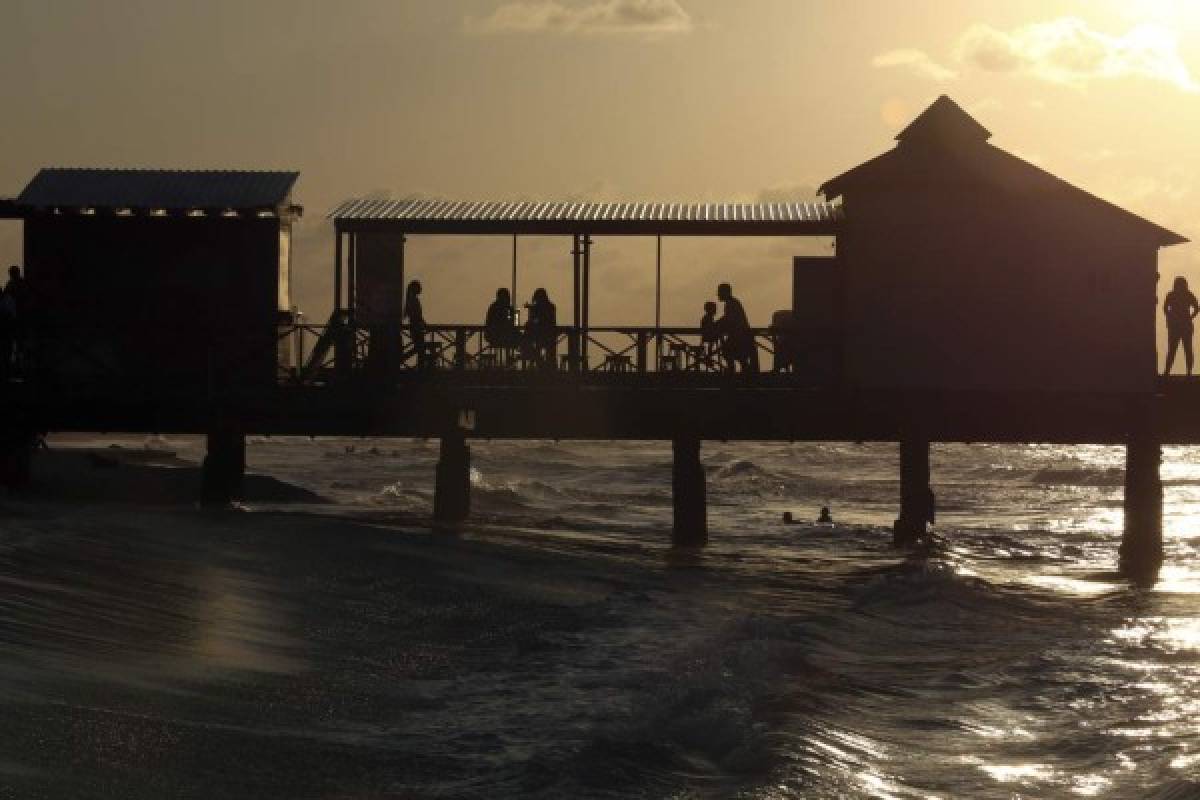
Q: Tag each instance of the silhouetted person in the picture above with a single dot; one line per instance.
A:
(499, 327)
(710, 334)
(8, 328)
(21, 300)
(541, 328)
(737, 338)
(825, 518)
(788, 519)
(18, 288)
(416, 322)
(1180, 308)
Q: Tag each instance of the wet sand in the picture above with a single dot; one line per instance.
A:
(172, 652)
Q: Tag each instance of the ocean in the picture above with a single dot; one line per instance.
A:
(328, 644)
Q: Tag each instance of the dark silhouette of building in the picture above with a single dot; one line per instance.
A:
(965, 267)
(159, 277)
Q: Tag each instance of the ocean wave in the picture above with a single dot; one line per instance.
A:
(1079, 476)
(703, 716)
(929, 582)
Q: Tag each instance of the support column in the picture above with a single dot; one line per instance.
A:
(1141, 553)
(337, 272)
(452, 486)
(917, 505)
(573, 343)
(586, 241)
(224, 467)
(690, 527)
(352, 277)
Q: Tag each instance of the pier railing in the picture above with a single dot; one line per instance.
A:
(322, 354)
(305, 354)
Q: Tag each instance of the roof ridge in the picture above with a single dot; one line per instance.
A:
(206, 170)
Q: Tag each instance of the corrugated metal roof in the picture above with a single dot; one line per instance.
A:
(434, 216)
(152, 188)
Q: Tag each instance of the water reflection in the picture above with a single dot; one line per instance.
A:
(114, 604)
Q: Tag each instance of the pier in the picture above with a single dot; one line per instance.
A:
(940, 317)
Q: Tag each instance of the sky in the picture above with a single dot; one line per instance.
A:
(655, 100)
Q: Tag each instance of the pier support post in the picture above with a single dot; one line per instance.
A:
(224, 467)
(916, 497)
(690, 527)
(1141, 553)
(452, 486)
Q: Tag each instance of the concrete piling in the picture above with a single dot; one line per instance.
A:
(1141, 553)
(690, 528)
(224, 467)
(917, 503)
(452, 487)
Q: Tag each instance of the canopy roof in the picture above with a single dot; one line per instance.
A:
(710, 219)
(167, 190)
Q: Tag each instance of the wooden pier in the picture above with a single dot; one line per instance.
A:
(971, 297)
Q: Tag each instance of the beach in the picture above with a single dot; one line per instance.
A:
(320, 640)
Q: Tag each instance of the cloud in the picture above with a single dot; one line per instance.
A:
(1069, 52)
(918, 61)
(639, 17)
(1064, 51)
(787, 193)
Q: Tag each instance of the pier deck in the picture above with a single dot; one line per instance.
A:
(627, 406)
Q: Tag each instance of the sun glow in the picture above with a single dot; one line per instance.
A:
(1171, 13)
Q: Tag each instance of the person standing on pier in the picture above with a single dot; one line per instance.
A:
(1180, 308)
(710, 337)
(416, 322)
(16, 292)
(738, 340)
(8, 326)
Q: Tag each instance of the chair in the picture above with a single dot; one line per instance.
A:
(614, 362)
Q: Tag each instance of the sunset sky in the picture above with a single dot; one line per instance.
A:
(665, 100)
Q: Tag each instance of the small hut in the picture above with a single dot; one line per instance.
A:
(159, 278)
(967, 268)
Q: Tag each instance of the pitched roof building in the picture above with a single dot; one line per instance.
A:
(966, 267)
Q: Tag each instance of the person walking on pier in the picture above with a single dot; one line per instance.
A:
(1180, 308)
(416, 322)
(541, 328)
(737, 338)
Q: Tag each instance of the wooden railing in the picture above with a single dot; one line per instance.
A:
(305, 354)
(321, 353)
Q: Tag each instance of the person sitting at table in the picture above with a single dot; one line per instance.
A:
(499, 327)
(541, 329)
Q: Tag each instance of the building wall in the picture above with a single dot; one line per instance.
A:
(971, 291)
(158, 301)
